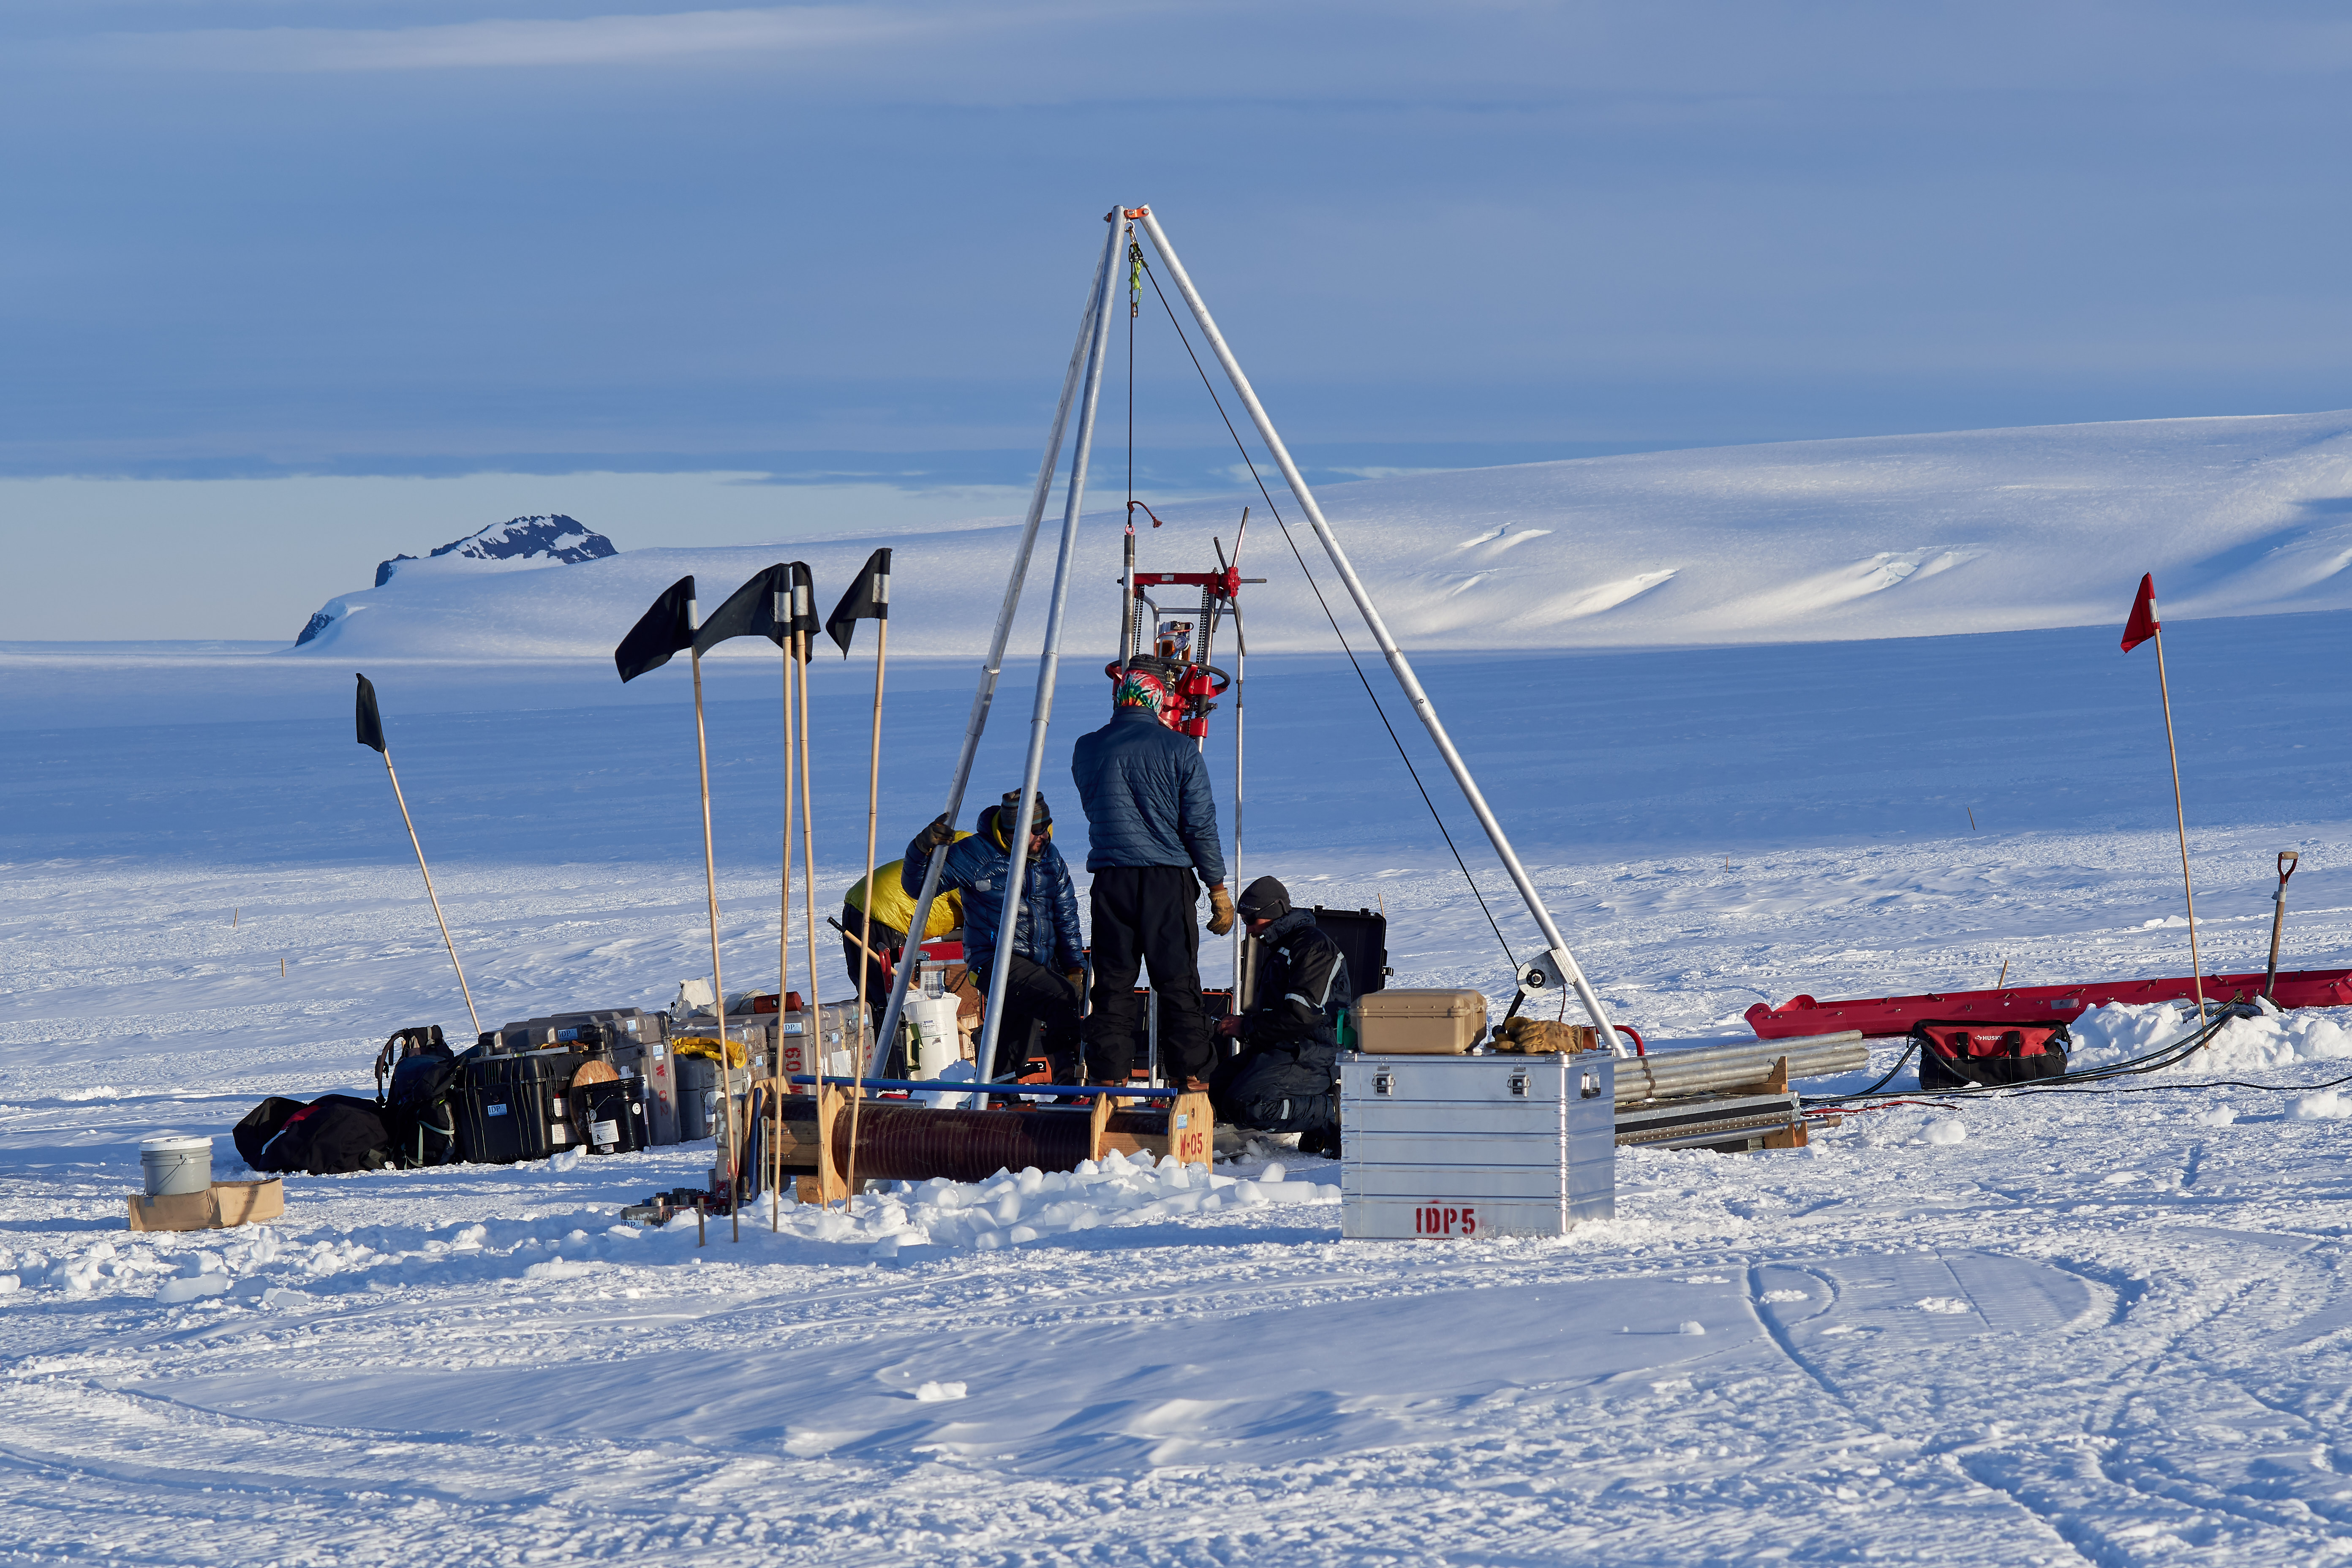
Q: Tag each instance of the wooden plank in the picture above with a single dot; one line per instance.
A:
(1095, 1150)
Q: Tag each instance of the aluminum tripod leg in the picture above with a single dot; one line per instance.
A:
(1016, 866)
(985, 696)
(1422, 706)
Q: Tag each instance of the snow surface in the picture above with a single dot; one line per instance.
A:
(1876, 537)
(2110, 1328)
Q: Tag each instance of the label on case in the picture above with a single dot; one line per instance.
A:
(603, 1133)
(496, 1108)
(1435, 1219)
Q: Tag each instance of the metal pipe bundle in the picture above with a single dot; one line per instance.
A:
(1711, 1069)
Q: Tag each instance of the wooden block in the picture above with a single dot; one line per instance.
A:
(1778, 1081)
(1191, 1129)
(1095, 1150)
(804, 1189)
(1789, 1137)
(833, 1182)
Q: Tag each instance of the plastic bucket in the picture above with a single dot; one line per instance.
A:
(174, 1166)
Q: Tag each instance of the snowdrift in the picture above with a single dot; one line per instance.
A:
(1878, 537)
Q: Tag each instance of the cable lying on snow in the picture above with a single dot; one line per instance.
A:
(2171, 1054)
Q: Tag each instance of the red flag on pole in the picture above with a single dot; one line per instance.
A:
(2143, 624)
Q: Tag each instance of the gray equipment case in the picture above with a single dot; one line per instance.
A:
(1441, 1146)
(637, 1041)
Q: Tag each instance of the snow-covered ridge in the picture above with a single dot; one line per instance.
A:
(1871, 537)
(518, 544)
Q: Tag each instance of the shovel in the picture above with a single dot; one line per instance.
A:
(2286, 860)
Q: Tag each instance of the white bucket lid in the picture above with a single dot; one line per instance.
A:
(175, 1143)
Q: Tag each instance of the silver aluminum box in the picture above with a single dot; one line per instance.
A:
(1476, 1145)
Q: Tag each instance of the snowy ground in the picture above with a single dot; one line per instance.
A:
(2106, 1329)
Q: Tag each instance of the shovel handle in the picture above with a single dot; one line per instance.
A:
(2286, 863)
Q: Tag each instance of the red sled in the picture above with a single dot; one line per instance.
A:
(1882, 1015)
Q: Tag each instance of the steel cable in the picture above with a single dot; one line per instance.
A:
(1318, 588)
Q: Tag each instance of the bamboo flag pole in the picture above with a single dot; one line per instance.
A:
(795, 615)
(717, 985)
(669, 626)
(2180, 820)
(812, 1016)
(868, 598)
(799, 644)
(762, 606)
(2144, 627)
(783, 938)
(865, 940)
(784, 891)
(370, 733)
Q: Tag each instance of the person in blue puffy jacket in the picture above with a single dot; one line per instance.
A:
(1151, 827)
(1046, 977)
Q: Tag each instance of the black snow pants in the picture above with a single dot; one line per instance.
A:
(1277, 1091)
(1035, 994)
(1146, 915)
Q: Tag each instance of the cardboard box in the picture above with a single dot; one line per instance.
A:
(224, 1207)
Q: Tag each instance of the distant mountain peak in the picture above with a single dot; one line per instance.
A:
(519, 544)
(555, 537)
(549, 539)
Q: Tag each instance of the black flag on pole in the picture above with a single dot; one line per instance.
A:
(665, 628)
(371, 722)
(751, 611)
(868, 599)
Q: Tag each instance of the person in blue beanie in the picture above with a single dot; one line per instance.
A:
(1045, 981)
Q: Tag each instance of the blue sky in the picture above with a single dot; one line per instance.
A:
(844, 245)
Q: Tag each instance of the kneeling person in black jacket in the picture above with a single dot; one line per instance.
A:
(1284, 1080)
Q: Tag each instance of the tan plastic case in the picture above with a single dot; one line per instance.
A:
(1419, 1022)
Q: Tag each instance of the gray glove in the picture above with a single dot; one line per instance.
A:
(940, 832)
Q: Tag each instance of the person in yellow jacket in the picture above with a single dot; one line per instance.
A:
(893, 910)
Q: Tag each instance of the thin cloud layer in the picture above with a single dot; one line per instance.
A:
(1209, 49)
(798, 31)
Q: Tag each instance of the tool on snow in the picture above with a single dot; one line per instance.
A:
(2286, 863)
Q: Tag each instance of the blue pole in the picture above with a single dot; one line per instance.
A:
(968, 1087)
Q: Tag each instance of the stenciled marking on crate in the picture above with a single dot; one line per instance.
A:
(1438, 1219)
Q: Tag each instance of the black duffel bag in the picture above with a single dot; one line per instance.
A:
(1972, 1054)
(334, 1134)
(262, 1123)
